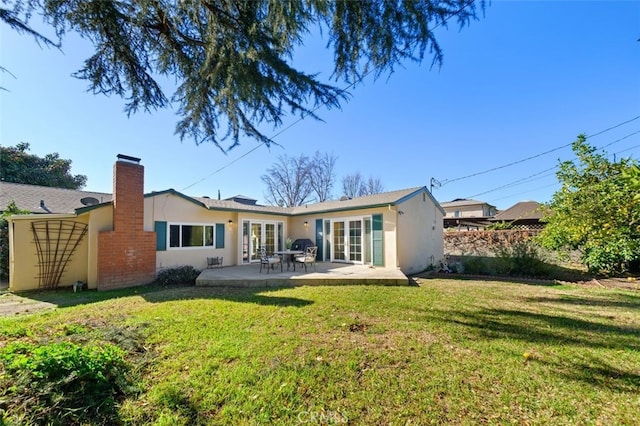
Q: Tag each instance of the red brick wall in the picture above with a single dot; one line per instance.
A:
(127, 255)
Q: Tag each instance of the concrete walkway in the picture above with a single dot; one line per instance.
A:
(326, 274)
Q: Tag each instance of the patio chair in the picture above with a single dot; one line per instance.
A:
(308, 257)
(269, 261)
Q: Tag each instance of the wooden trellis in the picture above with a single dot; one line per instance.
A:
(56, 240)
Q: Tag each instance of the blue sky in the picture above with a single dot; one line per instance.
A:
(526, 78)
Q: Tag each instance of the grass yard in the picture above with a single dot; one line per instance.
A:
(448, 351)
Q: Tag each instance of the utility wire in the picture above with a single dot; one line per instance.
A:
(446, 181)
(349, 86)
(523, 180)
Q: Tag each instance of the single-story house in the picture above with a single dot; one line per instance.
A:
(124, 240)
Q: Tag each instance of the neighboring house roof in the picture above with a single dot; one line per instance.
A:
(524, 210)
(459, 202)
(242, 199)
(44, 199)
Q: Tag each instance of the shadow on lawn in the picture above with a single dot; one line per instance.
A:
(576, 335)
(595, 372)
(546, 328)
(156, 293)
(629, 301)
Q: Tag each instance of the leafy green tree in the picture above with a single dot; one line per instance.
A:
(232, 60)
(595, 211)
(632, 177)
(18, 166)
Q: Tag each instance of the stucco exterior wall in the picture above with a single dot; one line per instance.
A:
(173, 209)
(100, 220)
(420, 233)
(24, 263)
(298, 230)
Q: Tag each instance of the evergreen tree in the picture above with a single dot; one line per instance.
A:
(232, 60)
(18, 166)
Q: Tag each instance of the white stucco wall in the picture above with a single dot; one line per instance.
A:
(170, 208)
(420, 234)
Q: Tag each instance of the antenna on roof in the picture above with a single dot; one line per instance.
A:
(434, 183)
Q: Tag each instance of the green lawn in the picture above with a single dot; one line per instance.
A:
(448, 351)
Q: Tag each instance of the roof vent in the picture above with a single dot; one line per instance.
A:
(344, 198)
(89, 201)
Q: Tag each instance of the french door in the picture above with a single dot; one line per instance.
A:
(257, 234)
(349, 239)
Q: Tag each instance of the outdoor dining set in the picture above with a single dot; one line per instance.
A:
(294, 255)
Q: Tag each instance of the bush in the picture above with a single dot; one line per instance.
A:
(476, 265)
(61, 383)
(522, 259)
(180, 275)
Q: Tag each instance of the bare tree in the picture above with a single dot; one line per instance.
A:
(321, 175)
(351, 185)
(288, 181)
(354, 185)
(372, 186)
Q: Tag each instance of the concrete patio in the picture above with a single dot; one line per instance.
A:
(326, 274)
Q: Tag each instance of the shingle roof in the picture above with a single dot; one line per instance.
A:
(391, 197)
(522, 210)
(58, 200)
(366, 201)
(54, 200)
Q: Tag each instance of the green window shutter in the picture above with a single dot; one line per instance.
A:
(319, 239)
(161, 235)
(376, 227)
(219, 235)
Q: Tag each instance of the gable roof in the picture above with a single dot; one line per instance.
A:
(524, 210)
(59, 200)
(368, 201)
(45, 199)
(364, 202)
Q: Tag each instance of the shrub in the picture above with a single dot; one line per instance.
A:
(62, 383)
(179, 275)
(522, 258)
(475, 265)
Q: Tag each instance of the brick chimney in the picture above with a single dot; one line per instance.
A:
(127, 254)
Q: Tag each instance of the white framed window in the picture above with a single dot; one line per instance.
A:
(190, 235)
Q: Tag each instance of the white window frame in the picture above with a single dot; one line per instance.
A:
(204, 235)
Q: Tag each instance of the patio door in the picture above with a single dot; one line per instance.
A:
(350, 240)
(257, 234)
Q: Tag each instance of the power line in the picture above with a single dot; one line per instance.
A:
(349, 86)
(446, 181)
(518, 182)
(525, 179)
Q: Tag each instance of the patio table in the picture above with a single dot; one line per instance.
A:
(289, 254)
